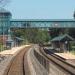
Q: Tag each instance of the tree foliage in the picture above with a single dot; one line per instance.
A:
(58, 31)
(72, 32)
(33, 35)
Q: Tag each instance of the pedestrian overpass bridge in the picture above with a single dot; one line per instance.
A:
(42, 23)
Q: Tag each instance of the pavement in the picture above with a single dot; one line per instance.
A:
(69, 57)
(66, 56)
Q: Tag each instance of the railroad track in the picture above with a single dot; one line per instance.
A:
(17, 66)
(59, 61)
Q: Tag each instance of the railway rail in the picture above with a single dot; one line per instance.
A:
(17, 66)
(59, 61)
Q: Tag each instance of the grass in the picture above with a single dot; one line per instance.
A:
(72, 50)
(1, 47)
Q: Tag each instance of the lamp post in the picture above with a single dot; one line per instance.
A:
(3, 34)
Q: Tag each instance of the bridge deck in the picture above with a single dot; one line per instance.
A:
(43, 23)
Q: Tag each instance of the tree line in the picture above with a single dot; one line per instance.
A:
(32, 35)
(61, 31)
(35, 35)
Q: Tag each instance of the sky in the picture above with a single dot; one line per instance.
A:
(41, 9)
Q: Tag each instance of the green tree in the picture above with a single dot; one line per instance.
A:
(58, 31)
(32, 35)
(72, 32)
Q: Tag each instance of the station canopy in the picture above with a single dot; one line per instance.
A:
(64, 37)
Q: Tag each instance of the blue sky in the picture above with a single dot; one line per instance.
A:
(41, 9)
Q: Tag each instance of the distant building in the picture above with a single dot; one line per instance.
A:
(5, 17)
(62, 43)
(18, 41)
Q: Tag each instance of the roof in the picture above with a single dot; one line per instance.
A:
(2, 10)
(49, 20)
(9, 40)
(18, 38)
(63, 37)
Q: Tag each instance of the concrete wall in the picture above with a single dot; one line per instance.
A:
(50, 67)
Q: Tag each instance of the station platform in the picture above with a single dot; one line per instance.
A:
(69, 57)
(7, 56)
(66, 56)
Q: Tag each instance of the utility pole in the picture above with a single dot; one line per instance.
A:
(74, 15)
(3, 37)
